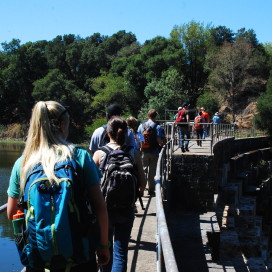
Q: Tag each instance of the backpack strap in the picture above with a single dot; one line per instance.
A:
(154, 125)
(107, 150)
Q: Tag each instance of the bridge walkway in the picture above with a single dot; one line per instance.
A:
(194, 149)
(188, 233)
(142, 244)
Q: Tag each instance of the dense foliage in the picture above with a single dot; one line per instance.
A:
(196, 63)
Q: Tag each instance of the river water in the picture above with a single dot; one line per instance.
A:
(9, 259)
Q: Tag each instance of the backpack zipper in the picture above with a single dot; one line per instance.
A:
(53, 210)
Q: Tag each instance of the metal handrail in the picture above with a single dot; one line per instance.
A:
(164, 246)
(217, 132)
(3, 208)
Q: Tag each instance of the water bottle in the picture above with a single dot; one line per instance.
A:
(18, 222)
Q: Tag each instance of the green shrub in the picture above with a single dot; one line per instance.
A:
(3, 131)
(96, 124)
(209, 102)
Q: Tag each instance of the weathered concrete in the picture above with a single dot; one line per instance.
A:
(244, 205)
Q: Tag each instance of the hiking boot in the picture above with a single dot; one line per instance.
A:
(183, 149)
(186, 148)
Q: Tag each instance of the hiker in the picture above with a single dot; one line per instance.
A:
(206, 117)
(100, 137)
(198, 127)
(132, 123)
(121, 213)
(153, 140)
(183, 124)
(47, 149)
(176, 115)
(216, 118)
(216, 121)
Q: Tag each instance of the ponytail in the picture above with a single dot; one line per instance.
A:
(117, 129)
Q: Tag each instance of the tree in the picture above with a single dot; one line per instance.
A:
(233, 71)
(268, 50)
(248, 35)
(164, 93)
(56, 86)
(221, 34)
(111, 89)
(209, 101)
(193, 37)
(263, 118)
(11, 46)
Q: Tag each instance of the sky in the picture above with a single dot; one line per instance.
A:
(34, 20)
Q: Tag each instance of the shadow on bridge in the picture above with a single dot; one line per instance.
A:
(142, 244)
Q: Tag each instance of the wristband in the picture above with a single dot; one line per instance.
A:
(108, 245)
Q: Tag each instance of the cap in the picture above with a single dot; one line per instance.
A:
(179, 108)
(217, 113)
(114, 109)
(202, 108)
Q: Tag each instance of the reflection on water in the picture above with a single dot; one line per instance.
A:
(9, 152)
(9, 256)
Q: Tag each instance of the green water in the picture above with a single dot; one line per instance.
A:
(9, 152)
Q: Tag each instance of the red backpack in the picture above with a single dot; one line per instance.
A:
(150, 136)
(198, 120)
(181, 116)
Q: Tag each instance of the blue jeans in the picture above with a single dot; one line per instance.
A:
(184, 131)
(120, 226)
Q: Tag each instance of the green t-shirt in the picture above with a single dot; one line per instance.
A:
(88, 172)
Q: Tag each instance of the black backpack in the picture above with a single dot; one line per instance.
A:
(119, 183)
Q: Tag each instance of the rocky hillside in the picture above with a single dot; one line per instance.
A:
(243, 120)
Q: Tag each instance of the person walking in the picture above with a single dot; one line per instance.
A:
(47, 146)
(183, 124)
(153, 141)
(176, 115)
(120, 218)
(206, 117)
(216, 118)
(132, 123)
(100, 137)
(216, 122)
(198, 127)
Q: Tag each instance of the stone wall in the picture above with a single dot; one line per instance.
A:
(192, 182)
(236, 184)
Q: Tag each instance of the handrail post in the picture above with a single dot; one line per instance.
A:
(212, 136)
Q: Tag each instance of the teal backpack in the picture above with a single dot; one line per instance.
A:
(57, 220)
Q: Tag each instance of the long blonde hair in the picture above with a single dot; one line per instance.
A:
(45, 144)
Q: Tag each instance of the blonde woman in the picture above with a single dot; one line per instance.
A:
(47, 145)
